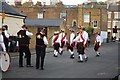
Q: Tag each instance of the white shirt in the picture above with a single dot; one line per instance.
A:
(45, 40)
(57, 41)
(2, 42)
(98, 39)
(29, 33)
(72, 36)
(61, 35)
(6, 34)
(79, 39)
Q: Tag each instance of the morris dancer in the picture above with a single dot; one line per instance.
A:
(71, 45)
(97, 44)
(62, 36)
(56, 43)
(81, 40)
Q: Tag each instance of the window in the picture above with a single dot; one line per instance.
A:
(40, 15)
(74, 23)
(116, 15)
(87, 18)
(63, 15)
(95, 24)
(115, 23)
(109, 24)
(109, 15)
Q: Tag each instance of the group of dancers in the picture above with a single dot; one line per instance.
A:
(78, 41)
(59, 40)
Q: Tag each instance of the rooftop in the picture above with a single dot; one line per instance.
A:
(10, 10)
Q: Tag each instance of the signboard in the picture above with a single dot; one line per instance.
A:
(103, 35)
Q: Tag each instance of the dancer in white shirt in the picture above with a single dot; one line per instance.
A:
(63, 39)
(97, 44)
(81, 40)
(71, 45)
(56, 42)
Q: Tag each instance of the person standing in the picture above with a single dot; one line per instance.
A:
(56, 43)
(24, 41)
(97, 44)
(81, 40)
(2, 45)
(63, 39)
(41, 44)
(71, 45)
(5, 36)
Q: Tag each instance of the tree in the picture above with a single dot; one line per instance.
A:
(27, 4)
(90, 30)
(102, 3)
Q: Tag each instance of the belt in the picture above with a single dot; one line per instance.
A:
(79, 42)
(24, 44)
(39, 45)
(56, 42)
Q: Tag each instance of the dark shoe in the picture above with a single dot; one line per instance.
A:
(29, 66)
(97, 55)
(72, 56)
(86, 59)
(61, 52)
(25, 56)
(37, 68)
(55, 55)
(42, 68)
(80, 61)
(21, 66)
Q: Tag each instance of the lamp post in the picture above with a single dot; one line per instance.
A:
(3, 11)
(89, 19)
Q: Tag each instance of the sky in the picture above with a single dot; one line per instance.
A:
(66, 2)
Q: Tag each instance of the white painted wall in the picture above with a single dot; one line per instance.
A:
(0, 21)
(14, 24)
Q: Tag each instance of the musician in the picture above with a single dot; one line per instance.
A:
(41, 44)
(2, 44)
(97, 44)
(5, 36)
(24, 41)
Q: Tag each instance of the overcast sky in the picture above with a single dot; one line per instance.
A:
(67, 2)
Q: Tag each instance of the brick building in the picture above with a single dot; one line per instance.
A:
(114, 20)
(87, 15)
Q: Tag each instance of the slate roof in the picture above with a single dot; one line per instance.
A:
(110, 8)
(44, 22)
(10, 10)
(114, 8)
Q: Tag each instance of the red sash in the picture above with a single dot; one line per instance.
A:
(83, 39)
(55, 38)
(63, 38)
(96, 43)
(73, 44)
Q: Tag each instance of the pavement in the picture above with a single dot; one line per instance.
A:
(103, 67)
(14, 54)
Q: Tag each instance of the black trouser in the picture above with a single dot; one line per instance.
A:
(96, 47)
(56, 46)
(25, 49)
(40, 53)
(62, 44)
(6, 45)
(69, 47)
(80, 48)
